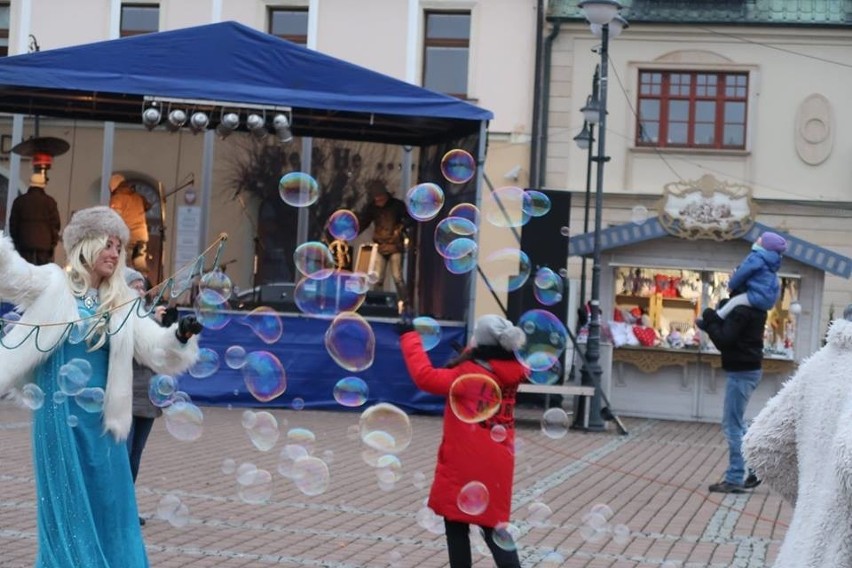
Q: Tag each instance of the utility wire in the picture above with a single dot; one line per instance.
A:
(692, 161)
(745, 39)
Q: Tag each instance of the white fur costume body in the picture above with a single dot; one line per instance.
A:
(44, 296)
(801, 444)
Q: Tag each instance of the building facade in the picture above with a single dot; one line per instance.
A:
(750, 92)
(452, 46)
(724, 119)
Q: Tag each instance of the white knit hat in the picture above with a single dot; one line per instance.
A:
(94, 222)
(493, 330)
(131, 275)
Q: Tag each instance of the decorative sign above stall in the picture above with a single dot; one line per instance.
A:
(706, 209)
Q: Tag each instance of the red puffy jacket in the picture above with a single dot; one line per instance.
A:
(468, 452)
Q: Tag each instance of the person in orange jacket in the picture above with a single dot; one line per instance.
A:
(132, 207)
(474, 454)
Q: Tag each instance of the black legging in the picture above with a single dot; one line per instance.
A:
(458, 545)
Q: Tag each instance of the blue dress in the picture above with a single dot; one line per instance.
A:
(87, 515)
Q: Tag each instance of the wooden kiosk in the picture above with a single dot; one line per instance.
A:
(668, 269)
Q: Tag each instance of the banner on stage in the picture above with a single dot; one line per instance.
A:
(188, 235)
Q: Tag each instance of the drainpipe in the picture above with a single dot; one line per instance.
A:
(541, 109)
(534, 140)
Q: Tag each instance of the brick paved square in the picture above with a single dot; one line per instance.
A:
(654, 481)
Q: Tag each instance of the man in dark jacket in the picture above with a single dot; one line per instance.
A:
(739, 339)
(390, 221)
(34, 222)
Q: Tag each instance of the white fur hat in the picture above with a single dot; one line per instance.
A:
(495, 330)
(94, 222)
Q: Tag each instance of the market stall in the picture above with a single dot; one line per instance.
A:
(657, 278)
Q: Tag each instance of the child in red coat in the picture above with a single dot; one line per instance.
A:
(469, 453)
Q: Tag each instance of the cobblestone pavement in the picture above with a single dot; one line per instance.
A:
(654, 480)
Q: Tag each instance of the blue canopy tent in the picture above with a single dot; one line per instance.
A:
(229, 64)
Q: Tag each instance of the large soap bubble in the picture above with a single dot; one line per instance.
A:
(264, 376)
(350, 341)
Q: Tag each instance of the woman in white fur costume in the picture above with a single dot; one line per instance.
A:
(87, 512)
(801, 444)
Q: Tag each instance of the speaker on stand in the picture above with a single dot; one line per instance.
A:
(545, 245)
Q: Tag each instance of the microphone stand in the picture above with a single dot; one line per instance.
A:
(164, 195)
(257, 249)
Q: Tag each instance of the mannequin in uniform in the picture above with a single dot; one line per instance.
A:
(34, 222)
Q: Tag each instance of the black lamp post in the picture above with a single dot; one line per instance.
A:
(585, 140)
(603, 16)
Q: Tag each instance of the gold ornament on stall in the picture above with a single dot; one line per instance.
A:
(706, 209)
(341, 252)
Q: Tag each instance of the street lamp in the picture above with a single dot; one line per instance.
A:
(603, 13)
(585, 141)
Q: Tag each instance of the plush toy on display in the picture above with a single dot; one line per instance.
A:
(675, 339)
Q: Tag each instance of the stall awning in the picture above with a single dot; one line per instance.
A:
(330, 98)
(632, 233)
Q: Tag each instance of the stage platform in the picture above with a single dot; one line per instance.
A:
(311, 372)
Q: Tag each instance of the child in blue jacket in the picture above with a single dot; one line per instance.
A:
(755, 281)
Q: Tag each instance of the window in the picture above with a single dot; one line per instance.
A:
(4, 29)
(445, 52)
(692, 110)
(138, 19)
(290, 24)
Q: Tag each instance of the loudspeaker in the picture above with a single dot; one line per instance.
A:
(278, 296)
(545, 245)
(277, 293)
(380, 298)
(380, 304)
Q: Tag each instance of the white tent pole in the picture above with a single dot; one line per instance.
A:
(109, 127)
(21, 45)
(216, 10)
(208, 154)
(313, 23)
(206, 184)
(480, 174)
(304, 219)
(14, 166)
(106, 163)
(411, 41)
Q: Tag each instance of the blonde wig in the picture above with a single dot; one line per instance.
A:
(112, 292)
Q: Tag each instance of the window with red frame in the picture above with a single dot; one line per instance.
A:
(692, 109)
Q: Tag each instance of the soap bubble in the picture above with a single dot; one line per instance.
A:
(458, 166)
(298, 189)
(424, 201)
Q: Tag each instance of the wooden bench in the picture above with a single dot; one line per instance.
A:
(563, 390)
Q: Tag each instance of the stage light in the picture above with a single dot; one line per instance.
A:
(198, 122)
(227, 124)
(151, 117)
(256, 124)
(281, 124)
(177, 118)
